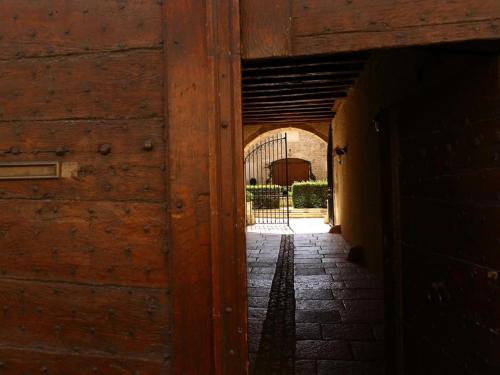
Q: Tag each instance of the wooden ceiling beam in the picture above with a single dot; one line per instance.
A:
(326, 99)
(288, 121)
(289, 70)
(288, 110)
(299, 83)
(314, 94)
(288, 105)
(292, 115)
(304, 76)
(311, 64)
(292, 89)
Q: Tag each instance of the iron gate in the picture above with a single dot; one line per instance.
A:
(267, 182)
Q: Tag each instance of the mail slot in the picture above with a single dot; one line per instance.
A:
(29, 170)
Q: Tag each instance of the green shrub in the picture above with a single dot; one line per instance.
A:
(310, 194)
(265, 196)
(249, 196)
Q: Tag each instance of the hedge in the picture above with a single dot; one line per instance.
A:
(265, 196)
(310, 194)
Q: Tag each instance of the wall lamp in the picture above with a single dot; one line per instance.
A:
(340, 151)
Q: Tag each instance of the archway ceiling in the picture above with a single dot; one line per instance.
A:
(293, 90)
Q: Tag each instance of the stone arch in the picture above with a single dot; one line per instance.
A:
(252, 132)
(302, 144)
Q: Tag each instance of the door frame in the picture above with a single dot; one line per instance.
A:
(330, 177)
(387, 124)
(207, 259)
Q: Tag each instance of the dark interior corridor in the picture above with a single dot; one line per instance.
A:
(416, 182)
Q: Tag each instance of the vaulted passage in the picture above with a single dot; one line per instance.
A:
(414, 160)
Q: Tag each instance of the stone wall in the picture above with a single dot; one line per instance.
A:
(301, 145)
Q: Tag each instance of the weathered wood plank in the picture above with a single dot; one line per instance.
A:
(86, 242)
(452, 304)
(132, 170)
(266, 25)
(49, 27)
(406, 37)
(334, 26)
(189, 107)
(206, 211)
(22, 361)
(60, 317)
(111, 85)
(340, 16)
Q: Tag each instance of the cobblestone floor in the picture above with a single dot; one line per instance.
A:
(338, 305)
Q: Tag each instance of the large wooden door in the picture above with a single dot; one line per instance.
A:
(298, 170)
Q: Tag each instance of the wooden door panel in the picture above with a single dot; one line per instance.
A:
(55, 27)
(91, 242)
(118, 85)
(131, 171)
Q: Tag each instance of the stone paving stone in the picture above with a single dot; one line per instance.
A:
(334, 260)
(261, 264)
(258, 292)
(362, 316)
(309, 271)
(313, 278)
(308, 331)
(259, 283)
(258, 302)
(339, 274)
(253, 343)
(357, 294)
(260, 276)
(319, 285)
(367, 350)
(346, 265)
(334, 270)
(370, 305)
(313, 294)
(308, 260)
(318, 304)
(305, 367)
(270, 270)
(256, 313)
(317, 316)
(357, 284)
(338, 305)
(302, 266)
(308, 256)
(331, 253)
(254, 327)
(346, 331)
(264, 256)
(341, 368)
(322, 349)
